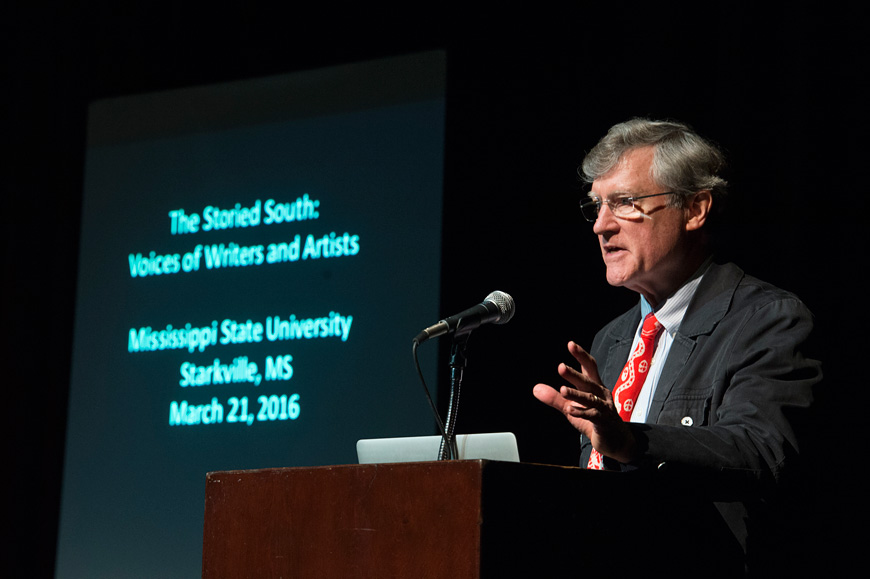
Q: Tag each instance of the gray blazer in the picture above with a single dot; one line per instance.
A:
(726, 414)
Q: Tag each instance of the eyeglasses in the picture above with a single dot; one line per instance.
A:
(621, 206)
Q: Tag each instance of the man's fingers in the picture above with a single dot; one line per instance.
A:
(586, 361)
(548, 395)
(573, 375)
(579, 403)
(565, 400)
(582, 382)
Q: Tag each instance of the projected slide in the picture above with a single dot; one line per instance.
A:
(255, 259)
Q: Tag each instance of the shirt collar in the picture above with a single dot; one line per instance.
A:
(670, 313)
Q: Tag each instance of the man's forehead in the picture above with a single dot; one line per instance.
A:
(632, 175)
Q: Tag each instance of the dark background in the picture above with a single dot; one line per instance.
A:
(529, 91)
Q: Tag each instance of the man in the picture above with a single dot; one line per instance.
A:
(709, 391)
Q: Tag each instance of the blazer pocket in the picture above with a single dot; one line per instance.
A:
(686, 410)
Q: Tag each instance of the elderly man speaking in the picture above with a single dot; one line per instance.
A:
(704, 375)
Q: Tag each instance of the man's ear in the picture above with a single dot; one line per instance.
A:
(698, 209)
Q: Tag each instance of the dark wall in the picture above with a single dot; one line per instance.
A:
(529, 92)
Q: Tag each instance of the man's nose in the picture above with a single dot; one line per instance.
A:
(605, 221)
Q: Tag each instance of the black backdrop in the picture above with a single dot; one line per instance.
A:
(529, 91)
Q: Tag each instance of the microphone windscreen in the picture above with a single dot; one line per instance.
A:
(505, 305)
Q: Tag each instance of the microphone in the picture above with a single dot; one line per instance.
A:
(497, 308)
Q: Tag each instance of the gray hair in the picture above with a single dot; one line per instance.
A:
(683, 162)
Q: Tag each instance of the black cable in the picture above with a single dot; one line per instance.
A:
(429, 397)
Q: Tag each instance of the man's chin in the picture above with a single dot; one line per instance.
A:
(617, 278)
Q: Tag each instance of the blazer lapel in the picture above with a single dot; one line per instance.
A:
(681, 349)
(708, 306)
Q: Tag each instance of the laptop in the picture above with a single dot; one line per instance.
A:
(491, 446)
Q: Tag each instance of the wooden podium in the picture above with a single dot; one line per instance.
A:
(456, 519)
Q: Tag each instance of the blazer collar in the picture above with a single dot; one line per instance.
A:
(712, 300)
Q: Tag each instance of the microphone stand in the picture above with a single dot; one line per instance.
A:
(457, 366)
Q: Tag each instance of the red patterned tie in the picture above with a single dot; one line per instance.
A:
(633, 375)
